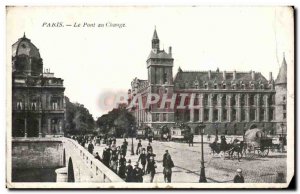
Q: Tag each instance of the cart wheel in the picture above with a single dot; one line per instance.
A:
(263, 152)
(250, 153)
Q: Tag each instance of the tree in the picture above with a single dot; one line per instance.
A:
(117, 122)
(78, 118)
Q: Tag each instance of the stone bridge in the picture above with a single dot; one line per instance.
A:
(70, 161)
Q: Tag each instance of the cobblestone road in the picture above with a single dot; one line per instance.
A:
(187, 163)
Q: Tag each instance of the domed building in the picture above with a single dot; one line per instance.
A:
(38, 107)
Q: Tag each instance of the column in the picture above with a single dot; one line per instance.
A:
(257, 107)
(192, 115)
(210, 118)
(40, 126)
(267, 108)
(201, 108)
(247, 108)
(49, 126)
(220, 111)
(238, 105)
(229, 111)
(25, 127)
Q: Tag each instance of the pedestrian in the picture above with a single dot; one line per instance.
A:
(106, 157)
(91, 147)
(238, 178)
(139, 147)
(122, 167)
(97, 156)
(123, 149)
(143, 159)
(149, 147)
(152, 167)
(168, 164)
(129, 169)
(137, 173)
(114, 163)
(149, 154)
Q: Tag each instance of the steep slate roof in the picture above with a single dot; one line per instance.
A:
(282, 75)
(159, 55)
(190, 77)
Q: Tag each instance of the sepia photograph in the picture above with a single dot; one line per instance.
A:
(138, 97)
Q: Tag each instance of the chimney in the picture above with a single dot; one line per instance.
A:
(209, 74)
(270, 76)
(170, 50)
(253, 75)
(234, 74)
(224, 75)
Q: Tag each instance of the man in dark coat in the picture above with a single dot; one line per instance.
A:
(143, 159)
(91, 147)
(97, 156)
(122, 167)
(123, 149)
(149, 147)
(137, 173)
(152, 166)
(129, 173)
(168, 165)
(139, 147)
(149, 154)
(239, 178)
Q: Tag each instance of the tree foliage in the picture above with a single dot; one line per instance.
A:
(78, 118)
(117, 122)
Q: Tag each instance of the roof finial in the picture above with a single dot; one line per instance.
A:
(24, 35)
(283, 54)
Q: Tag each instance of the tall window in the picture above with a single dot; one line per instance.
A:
(233, 114)
(33, 105)
(54, 103)
(164, 116)
(19, 105)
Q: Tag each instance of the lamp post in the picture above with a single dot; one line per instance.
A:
(282, 141)
(132, 148)
(202, 168)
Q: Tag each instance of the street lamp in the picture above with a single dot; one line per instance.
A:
(282, 142)
(202, 168)
(132, 148)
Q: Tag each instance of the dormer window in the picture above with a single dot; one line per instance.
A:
(215, 86)
(261, 86)
(234, 86)
(224, 86)
(243, 86)
(205, 86)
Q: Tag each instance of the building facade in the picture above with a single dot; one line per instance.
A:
(228, 101)
(38, 107)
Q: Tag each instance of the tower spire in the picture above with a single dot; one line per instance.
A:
(155, 41)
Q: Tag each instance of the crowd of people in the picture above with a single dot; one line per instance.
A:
(114, 157)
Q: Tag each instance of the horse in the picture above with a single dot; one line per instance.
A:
(238, 148)
(220, 147)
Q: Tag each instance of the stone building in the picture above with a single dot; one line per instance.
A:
(38, 107)
(228, 101)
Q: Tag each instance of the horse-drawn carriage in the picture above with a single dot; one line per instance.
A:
(254, 143)
(257, 143)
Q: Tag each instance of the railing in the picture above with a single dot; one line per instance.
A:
(100, 172)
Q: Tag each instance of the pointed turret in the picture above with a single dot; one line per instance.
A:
(155, 42)
(282, 75)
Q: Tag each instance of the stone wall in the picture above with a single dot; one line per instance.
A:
(35, 153)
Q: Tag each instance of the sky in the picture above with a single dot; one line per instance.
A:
(94, 61)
